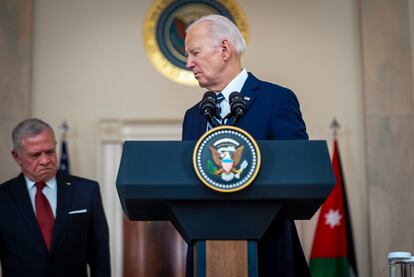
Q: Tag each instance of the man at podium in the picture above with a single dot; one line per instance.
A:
(214, 46)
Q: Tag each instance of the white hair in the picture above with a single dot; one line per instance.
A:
(28, 128)
(220, 28)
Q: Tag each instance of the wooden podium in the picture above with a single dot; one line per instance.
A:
(156, 181)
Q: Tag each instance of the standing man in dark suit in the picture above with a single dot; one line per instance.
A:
(214, 46)
(50, 225)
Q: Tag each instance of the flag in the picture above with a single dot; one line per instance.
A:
(64, 159)
(333, 248)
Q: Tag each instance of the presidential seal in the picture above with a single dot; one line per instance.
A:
(226, 159)
(164, 32)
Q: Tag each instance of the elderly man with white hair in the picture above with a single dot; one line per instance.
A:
(214, 46)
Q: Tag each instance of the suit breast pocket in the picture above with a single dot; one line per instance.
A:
(78, 227)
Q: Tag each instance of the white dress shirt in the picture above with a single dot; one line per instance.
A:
(235, 85)
(50, 191)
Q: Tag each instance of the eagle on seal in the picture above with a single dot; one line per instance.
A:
(226, 160)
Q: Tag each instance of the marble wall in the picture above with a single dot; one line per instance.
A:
(16, 22)
(389, 119)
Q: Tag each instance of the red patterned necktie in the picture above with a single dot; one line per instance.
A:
(44, 214)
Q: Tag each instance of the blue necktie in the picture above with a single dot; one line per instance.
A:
(217, 117)
(219, 99)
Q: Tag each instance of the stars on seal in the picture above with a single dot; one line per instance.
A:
(226, 159)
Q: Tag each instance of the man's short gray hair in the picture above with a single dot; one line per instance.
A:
(28, 128)
(220, 28)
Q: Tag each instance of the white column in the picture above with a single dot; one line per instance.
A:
(112, 133)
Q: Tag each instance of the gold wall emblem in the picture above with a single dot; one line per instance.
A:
(164, 32)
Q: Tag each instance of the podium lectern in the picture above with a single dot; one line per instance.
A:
(156, 181)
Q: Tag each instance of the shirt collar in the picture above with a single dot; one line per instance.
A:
(235, 85)
(50, 183)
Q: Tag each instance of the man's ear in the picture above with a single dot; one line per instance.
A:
(16, 157)
(225, 47)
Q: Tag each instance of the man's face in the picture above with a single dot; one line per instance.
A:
(37, 156)
(203, 57)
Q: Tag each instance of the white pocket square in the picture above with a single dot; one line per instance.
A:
(78, 211)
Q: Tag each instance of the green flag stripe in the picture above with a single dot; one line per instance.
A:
(329, 267)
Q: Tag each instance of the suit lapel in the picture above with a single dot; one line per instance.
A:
(249, 89)
(24, 206)
(64, 202)
(201, 125)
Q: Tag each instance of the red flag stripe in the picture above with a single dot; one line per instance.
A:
(330, 236)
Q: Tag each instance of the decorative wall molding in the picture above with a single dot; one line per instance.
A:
(115, 130)
(112, 133)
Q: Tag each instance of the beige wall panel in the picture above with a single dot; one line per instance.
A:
(16, 22)
(389, 115)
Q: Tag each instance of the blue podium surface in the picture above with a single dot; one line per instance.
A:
(156, 181)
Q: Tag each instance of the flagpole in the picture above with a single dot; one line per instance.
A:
(333, 251)
(64, 158)
(65, 128)
(335, 126)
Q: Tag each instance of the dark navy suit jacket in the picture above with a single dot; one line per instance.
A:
(78, 238)
(273, 113)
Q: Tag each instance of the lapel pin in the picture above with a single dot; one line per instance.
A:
(68, 183)
(246, 98)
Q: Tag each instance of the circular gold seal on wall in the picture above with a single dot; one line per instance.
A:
(164, 32)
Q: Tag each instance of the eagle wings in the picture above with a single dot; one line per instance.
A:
(236, 157)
